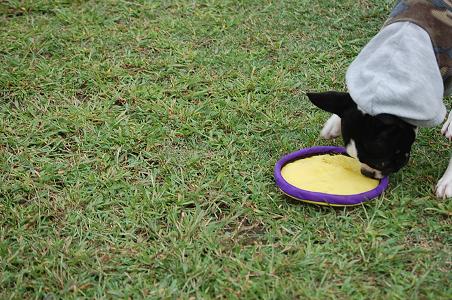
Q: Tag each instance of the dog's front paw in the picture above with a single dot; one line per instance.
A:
(332, 128)
(444, 186)
(447, 127)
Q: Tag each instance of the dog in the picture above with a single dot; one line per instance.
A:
(395, 85)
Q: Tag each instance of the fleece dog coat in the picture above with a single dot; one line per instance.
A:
(406, 69)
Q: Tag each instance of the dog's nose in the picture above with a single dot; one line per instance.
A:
(368, 173)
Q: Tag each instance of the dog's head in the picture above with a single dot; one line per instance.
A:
(382, 143)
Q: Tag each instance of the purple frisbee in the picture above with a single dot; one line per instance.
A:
(317, 197)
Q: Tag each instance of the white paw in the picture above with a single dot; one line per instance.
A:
(447, 127)
(332, 128)
(444, 186)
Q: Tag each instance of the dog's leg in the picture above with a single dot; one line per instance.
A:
(332, 128)
(444, 186)
(447, 127)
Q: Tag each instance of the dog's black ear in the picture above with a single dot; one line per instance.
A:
(333, 102)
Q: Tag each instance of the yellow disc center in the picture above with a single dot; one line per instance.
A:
(330, 174)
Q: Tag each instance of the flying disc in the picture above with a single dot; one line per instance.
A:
(325, 175)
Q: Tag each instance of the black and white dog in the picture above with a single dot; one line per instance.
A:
(382, 143)
(395, 84)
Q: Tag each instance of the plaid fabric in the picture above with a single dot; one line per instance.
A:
(436, 18)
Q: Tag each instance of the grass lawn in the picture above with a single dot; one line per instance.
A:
(137, 145)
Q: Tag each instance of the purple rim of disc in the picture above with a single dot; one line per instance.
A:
(322, 197)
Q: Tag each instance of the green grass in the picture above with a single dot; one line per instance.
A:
(137, 143)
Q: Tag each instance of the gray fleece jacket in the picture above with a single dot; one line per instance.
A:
(397, 73)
